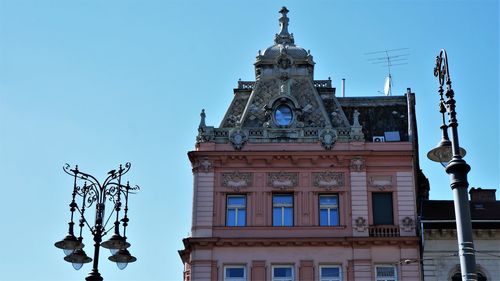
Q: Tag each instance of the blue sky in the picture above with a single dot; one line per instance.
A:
(99, 83)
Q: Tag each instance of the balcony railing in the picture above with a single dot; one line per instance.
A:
(384, 231)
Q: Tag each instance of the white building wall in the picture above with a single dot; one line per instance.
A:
(441, 259)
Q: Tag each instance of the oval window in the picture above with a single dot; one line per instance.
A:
(283, 115)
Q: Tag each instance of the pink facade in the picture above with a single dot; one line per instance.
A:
(302, 191)
(354, 245)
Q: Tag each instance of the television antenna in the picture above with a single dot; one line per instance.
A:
(389, 58)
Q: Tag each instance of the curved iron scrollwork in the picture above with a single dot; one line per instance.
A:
(441, 69)
(92, 191)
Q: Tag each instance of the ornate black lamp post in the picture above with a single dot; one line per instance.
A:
(93, 192)
(450, 152)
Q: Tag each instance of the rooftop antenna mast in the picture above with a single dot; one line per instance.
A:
(388, 58)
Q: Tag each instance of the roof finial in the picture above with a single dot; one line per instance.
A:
(283, 37)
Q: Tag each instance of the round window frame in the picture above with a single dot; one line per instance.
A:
(275, 109)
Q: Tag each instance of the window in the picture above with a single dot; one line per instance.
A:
(282, 210)
(458, 277)
(330, 273)
(236, 210)
(382, 208)
(235, 273)
(328, 210)
(283, 115)
(385, 273)
(283, 273)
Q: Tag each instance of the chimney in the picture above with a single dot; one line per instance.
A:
(343, 87)
(482, 195)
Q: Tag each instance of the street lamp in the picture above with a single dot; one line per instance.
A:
(450, 152)
(93, 192)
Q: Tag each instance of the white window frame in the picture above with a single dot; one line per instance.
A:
(282, 206)
(321, 278)
(329, 208)
(237, 208)
(282, 278)
(385, 278)
(244, 278)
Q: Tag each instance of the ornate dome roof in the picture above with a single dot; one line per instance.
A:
(284, 44)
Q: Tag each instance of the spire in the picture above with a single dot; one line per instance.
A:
(283, 37)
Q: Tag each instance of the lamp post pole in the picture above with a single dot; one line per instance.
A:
(93, 192)
(457, 168)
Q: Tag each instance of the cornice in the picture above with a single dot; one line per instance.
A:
(212, 242)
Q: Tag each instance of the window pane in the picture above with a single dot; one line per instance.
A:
(284, 199)
(330, 272)
(283, 115)
(385, 271)
(334, 217)
(288, 217)
(328, 200)
(382, 208)
(242, 217)
(235, 272)
(282, 272)
(231, 217)
(277, 216)
(323, 217)
(236, 201)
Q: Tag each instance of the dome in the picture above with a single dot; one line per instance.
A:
(273, 52)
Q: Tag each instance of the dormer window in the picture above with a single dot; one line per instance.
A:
(283, 115)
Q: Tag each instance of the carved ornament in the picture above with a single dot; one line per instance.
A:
(360, 224)
(328, 137)
(328, 180)
(236, 180)
(407, 224)
(358, 164)
(282, 180)
(238, 138)
(204, 165)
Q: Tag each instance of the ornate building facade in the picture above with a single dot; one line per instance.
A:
(299, 184)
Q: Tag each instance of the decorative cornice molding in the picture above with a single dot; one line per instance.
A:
(328, 180)
(208, 243)
(451, 234)
(283, 180)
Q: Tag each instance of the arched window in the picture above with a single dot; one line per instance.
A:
(458, 277)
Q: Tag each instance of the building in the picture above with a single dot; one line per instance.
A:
(299, 184)
(439, 240)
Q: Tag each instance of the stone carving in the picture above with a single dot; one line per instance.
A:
(328, 180)
(236, 180)
(205, 133)
(381, 181)
(238, 138)
(356, 128)
(203, 166)
(282, 180)
(358, 164)
(328, 137)
(407, 224)
(360, 224)
(284, 62)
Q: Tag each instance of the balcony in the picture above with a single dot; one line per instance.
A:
(384, 230)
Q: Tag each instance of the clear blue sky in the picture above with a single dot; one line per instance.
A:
(98, 83)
